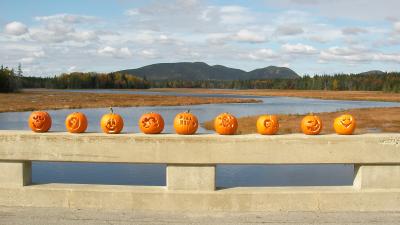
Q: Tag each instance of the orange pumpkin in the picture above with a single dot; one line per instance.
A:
(185, 123)
(225, 124)
(111, 123)
(76, 122)
(311, 125)
(151, 123)
(39, 121)
(344, 124)
(267, 124)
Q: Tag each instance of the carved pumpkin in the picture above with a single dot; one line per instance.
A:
(151, 123)
(39, 121)
(311, 125)
(76, 122)
(344, 124)
(185, 123)
(225, 124)
(267, 124)
(111, 123)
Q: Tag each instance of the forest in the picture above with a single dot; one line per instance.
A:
(9, 80)
(79, 80)
(388, 82)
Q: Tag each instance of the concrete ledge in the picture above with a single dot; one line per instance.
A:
(207, 149)
(191, 164)
(235, 199)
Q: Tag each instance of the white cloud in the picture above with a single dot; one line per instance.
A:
(357, 54)
(51, 36)
(66, 18)
(353, 31)
(72, 69)
(82, 36)
(15, 28)
(148, 53)
(39, 54)
(234, 14)
(262, 54)
(245, 35)
(299, 49)
(344, 9)
(387, 57)
(397, 26)
(115, 52)
(289, 29)
(27, 60)
(132, 12)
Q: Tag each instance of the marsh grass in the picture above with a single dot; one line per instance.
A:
(45, 100)
(369, 120)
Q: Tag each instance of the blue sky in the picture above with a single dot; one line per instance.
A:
(309, 36)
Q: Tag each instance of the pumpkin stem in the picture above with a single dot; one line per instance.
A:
(112, 111)
(188, 111)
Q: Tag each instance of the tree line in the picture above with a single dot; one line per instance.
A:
(91, 80)
(12, 81)
(388, 82)
(9, 80)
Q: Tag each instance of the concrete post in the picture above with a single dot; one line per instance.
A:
(15, 174)
(376, 176)
(193, 178)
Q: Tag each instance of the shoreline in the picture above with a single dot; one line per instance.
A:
(316, 94)
(54, 100)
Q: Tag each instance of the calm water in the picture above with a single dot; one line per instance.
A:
(227, 175)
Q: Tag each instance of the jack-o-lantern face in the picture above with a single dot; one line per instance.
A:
(76, 122)
(344, 124)
(267, 124)
(311, 125)
(225, 124)
(39, 121)
(151, 123)
(112, 123)
(185, 123)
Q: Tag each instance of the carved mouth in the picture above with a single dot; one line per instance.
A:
(346, 124)
(38, 122)
(226, 121)
(314, 125)
(74, 123)
(111, 124)
(149, 122)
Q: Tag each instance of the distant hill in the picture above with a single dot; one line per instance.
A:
(203, 71)
(372, 72)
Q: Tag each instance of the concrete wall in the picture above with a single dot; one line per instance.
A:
(191, 162)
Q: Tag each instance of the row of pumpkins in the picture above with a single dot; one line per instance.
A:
(187, 123)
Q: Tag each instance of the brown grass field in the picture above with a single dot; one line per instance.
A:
(43, 100)
(337, 95)
(369, 120)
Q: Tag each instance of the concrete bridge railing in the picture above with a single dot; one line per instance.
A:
(191, 162)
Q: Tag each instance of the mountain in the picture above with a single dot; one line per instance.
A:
(203, 71)
(273, 72)
(372, 72)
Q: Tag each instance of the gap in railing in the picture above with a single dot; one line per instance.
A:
(226, 175)
(284, 175)
(99, 173)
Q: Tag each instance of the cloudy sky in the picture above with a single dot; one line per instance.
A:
(310, 36)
